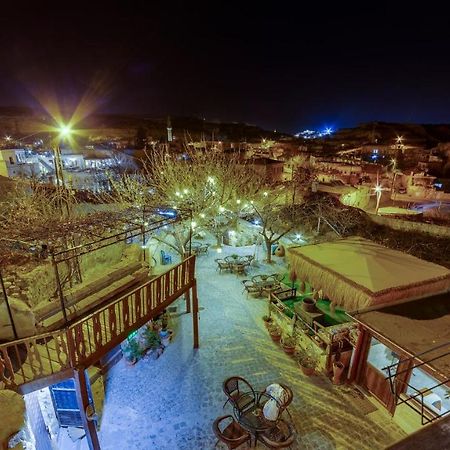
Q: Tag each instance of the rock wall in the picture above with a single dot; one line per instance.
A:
(12, 415)
(27, 287)
(23, 316)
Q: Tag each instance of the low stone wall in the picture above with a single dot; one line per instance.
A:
(408, 225)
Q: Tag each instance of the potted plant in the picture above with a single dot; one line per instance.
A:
(132, 351)
(306, 363)
(267, 320)
(151, 338)
(288, 344)
(309, 304)
(275, 332)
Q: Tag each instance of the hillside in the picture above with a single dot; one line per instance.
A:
(20, 122)
(423, 135)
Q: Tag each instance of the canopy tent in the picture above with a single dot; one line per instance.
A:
(356, 273)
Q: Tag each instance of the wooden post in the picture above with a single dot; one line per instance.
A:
(59, 287)
(83, 402)
(360, 352)
(187, 296)
(195, 314)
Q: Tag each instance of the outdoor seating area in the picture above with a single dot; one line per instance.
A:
(237, 264)
(313, 417)
(265, 284)
(199, 248)
(257, 415)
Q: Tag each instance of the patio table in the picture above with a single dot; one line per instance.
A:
(251, 417)
(238, 264)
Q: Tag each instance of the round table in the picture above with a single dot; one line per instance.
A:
(251, 417)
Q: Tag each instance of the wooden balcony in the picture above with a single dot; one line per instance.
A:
(44, 359)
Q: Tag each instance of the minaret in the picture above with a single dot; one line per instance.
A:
(169, 130)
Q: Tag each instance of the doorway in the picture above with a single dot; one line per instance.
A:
(375, 375)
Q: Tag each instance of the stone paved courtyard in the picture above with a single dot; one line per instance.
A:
(170, 403)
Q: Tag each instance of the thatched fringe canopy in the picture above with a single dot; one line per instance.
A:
(356, 273)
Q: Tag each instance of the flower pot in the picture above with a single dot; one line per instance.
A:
(131, 362)
(307, 370)
(276, 337)
(288, 349)
(309, 304)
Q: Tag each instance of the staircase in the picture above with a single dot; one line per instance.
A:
(37, 361)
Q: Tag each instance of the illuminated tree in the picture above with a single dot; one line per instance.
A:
(275, 216)
(213, 186)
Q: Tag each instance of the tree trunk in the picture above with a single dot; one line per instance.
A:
(268, 249)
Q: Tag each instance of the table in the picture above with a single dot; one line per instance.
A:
(238, 263)
(199, 248)
(251, 418)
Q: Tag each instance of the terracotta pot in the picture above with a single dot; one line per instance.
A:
(308, 371)
(288, 350)
(309, 304)
(275, 337)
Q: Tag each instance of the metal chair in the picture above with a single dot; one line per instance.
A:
(232, 435)
(285, 401)
(222, 265)
(234, 388)
(251, 287)
(282, 435)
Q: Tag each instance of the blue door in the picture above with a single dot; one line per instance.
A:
(64, 397)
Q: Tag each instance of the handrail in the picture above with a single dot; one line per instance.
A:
(89, 338)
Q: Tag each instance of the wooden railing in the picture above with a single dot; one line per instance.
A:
(87, 340)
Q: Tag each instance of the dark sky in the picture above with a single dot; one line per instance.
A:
(286, 66)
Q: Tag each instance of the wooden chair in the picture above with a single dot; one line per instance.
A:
(280, 436)
(234, 388)
(232, 435)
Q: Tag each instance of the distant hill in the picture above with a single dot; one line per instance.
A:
(20, 122)
(424, 135)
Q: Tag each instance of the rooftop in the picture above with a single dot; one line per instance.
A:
(416, 326)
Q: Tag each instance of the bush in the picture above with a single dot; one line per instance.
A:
(151, 339)
(132, 350)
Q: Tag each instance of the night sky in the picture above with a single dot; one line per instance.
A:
(284, 67)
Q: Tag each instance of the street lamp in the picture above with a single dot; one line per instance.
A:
(64, 133)
(378, 190)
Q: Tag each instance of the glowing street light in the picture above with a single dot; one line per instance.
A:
(378, 190)
(65, 131)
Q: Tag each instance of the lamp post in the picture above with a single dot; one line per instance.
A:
(64, 133)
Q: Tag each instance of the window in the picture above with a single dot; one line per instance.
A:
(11, 160)
(436, 399)
(381, 356)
